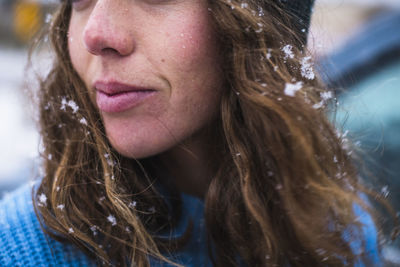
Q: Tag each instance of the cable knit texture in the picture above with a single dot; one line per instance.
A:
(22, 241)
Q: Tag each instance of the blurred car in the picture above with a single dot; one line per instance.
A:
(21, 20)
(366, 73)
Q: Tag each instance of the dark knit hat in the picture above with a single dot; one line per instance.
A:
(300, 10)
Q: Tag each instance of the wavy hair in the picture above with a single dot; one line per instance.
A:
(284, 187)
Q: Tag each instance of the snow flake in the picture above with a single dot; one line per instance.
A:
(340, 175)
(385, 191)
(260, 11)
(269, 55)
(320, 251)
(112, 220)
(60, 207)
(69, 103)
(47, 106)
(307, 70)
(43, 199)
(73, 105)
(341, 135)
(318, 105)
(132, 204)
(32, 183)
(326, 95)
(94, 228)
(83, 121)
(110, 162)
(70, 230)
(244, 5)
(48, 18)
(288, 50)
(260, 27)
(63, 104)
(291, 89)
(152, 209)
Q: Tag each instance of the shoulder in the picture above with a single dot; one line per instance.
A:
(369, 244)
(22, 241)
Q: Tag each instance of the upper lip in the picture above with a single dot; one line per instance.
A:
(114, 87)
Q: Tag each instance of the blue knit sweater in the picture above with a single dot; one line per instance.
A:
(22, 242)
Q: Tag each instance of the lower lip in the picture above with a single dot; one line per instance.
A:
(121, 102)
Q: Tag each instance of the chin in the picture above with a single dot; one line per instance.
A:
(139, 148)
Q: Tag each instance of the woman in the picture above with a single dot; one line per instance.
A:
(188, 133)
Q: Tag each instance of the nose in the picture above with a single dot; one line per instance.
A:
(106, 32)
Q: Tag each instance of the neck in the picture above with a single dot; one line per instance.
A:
(191, 166)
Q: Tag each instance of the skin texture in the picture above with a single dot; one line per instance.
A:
(168, 46)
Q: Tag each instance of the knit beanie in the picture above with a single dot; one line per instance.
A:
(300, 10)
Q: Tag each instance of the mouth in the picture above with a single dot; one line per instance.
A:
(115, 88)
(114, 97)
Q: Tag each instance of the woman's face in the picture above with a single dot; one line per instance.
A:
(151, 67)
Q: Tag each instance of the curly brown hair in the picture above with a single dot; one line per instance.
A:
(283, 189)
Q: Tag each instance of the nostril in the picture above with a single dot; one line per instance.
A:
(108, 51)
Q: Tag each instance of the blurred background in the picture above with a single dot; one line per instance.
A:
(357, 47)
(356, 44)
(20, 22)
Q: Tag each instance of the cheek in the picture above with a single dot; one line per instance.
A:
(192, 59)
(77, 52)
(80, 58)
(189, 41)
(73, 45)
(196, 63)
